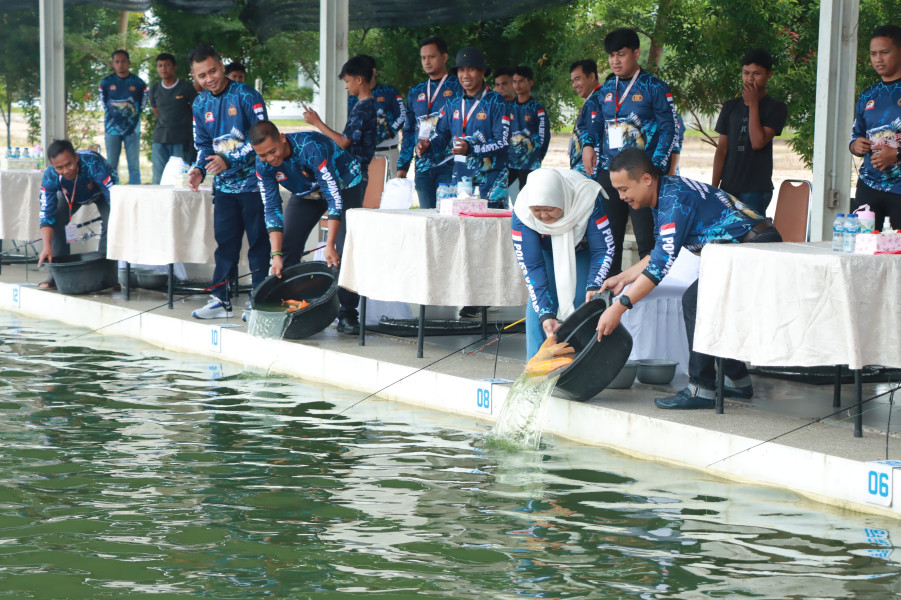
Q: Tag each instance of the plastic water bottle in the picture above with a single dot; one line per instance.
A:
(852, 228)
(9, 152)
(838, 233)
(26, 154)
(17, 153)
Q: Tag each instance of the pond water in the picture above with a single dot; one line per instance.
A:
(128, 472)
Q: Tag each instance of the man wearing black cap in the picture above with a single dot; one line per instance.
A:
(478, 121)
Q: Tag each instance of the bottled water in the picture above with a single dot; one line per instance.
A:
(25, 154)
(17, 153)
(9, 152)
(852, 228)
(838, 233)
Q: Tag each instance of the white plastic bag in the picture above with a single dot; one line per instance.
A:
(398, 194)
(174, 173)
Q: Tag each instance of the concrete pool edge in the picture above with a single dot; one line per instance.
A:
(822, 477)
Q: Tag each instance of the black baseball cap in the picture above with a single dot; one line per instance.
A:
(470, 57)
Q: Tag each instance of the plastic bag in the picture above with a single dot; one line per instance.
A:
(174, 173)
(398, 194)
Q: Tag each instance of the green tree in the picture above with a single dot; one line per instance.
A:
(19, 48)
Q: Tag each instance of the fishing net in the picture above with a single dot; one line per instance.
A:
(433, 327)
(826, 375)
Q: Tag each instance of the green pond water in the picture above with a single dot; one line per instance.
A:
(126, 472)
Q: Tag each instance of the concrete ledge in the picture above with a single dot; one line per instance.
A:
(618, 424)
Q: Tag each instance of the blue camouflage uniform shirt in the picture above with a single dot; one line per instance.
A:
(424, 104)
(122, 99)
(646, 116)
(221, 124)
(530, 135)
(584, 134)
(94, 175)
(483, 121)
(690, 215)
(316, 168)
(528, 245)
(877, 117)
(361, 131)
(390, 111)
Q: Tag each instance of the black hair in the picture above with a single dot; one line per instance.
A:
(621, 38)
(57, 147)
(758, 56)
(439, 43)
(232, 67)
(371, 60)
(201, 53)
(587, 65)
(890, 31)
(524, 72)
(166, 56)
(262, 131)
(120, 51)
(635, 162)
(501, 71)
(357, 66)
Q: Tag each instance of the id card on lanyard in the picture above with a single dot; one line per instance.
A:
(71, 228)
(616, 131)
(425, 125)
(465, 115)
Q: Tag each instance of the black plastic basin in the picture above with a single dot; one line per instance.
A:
(83, 273)
(595, 364)
(314, 282)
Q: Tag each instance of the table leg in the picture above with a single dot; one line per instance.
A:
(837, 390)
(127, 280)
(858, 392)
(484, 322)
(170, 284)
(720, 385)
(1, 260)
(420, 338)
(362, 341)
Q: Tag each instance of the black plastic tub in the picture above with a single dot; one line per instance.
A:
(596, 364)
(314, 282)
(83, 273)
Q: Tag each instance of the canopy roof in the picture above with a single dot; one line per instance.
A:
(267, 17)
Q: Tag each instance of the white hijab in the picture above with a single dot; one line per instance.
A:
(575, 194)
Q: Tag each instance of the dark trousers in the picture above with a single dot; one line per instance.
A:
(427, 183)
(702, 367)
(353, 198)
(884, 204)
(233, 216)
(521, 175)
(302, 215)
(58, 245)
(618, 213)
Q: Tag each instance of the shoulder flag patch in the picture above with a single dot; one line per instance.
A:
(517, 236)
(668, 229)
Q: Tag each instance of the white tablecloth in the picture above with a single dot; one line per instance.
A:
(656, 322)
(20, 206)
(422, 257)
(798, 304)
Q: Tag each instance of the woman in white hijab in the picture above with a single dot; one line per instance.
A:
(563, 244)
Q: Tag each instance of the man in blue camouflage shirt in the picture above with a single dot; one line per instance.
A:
(223, 114)
(688, 214)
(530, 132)
(876, 133)
(122, 96)
(73, 179)
(477, 120)
(391, 114)
(424, 104)
(585, 140)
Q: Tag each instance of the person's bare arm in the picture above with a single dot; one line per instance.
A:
(312, 117)
(719, 159)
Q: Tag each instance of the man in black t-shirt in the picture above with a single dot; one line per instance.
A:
(171, 100)
(743, 164)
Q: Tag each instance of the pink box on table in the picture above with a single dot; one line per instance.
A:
(454, 206)
(871, 243)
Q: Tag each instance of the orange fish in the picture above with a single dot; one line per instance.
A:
(550, 357)
(295, 305)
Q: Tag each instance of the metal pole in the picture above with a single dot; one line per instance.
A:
(420, 337)
(333, 28)
(362, 340)
(53, 77)
(837, 388)
(836, 68)
(858, 392)
(720, 386)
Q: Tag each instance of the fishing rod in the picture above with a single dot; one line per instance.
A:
(800, 427)
(435, 362)
(185, 297)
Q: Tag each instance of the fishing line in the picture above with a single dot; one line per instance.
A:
(423, 368)
(800, 427)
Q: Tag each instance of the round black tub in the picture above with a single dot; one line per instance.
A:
(83, 273)
(314, 282)
(595, 364)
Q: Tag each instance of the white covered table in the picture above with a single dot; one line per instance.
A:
(795, 304)
(425, 258)
(20, 206)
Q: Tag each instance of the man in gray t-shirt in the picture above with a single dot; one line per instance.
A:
(171, 100)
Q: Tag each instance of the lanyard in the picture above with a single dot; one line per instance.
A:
(619, 104)
(465, 114)
(428, 91)
(69, 201)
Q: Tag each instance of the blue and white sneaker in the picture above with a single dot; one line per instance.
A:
(215, 309)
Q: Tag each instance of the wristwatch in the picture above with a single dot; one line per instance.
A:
(624, 300)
